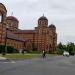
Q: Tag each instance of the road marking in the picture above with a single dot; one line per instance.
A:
(11, 61)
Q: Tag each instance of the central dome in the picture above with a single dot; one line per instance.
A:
(43, 21)
(43, 18)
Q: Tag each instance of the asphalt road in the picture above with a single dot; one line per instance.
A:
(52, 65)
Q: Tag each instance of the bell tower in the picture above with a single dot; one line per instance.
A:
(41, 33)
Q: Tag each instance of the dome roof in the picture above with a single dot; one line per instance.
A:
(43, 18)
(52, 26)
(12, 18)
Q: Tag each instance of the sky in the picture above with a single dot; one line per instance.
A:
(61, 13)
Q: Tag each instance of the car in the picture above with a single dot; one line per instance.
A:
(66, 53)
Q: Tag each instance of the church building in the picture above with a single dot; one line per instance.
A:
(43, 37)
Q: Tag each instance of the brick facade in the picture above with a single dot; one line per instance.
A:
(43, 37)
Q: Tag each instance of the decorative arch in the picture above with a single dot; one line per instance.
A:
(3, 7)
(3, 12)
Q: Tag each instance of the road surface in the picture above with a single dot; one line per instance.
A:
(52, 65)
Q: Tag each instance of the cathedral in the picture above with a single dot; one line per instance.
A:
(43, 37)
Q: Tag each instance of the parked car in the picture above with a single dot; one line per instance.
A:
(66, 53)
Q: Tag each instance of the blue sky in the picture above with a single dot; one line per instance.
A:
(59, 12)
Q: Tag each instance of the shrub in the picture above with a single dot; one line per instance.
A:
(9, 49)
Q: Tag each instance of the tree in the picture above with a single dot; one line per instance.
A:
(70, 48)
(60, 48)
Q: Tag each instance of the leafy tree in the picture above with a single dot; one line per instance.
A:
(70, 48)
(60, 48)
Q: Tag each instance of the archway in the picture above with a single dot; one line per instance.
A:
(3, 13)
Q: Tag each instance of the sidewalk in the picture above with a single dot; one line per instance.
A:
(2, 58)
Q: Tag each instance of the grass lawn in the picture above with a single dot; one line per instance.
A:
(21, 56)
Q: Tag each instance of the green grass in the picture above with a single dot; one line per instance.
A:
(21, 56)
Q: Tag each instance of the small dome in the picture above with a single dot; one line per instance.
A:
(12, 18)
(43, 18)
(52, 26)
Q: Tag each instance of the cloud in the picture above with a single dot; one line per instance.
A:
(59, 12)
